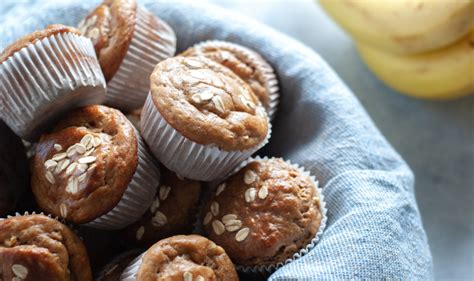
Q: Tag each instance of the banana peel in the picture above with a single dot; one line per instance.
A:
(447, 73)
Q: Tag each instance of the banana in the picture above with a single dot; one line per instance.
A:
(447, 73)
(403, 26)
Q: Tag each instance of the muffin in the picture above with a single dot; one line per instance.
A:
(182, 257)
(45, 74)
(129, 42)
(35, 245)
(113, 270)
(200, 119)
(94, 168)
(247, 64)
(172, 212)
(264, 214)
(13, 169)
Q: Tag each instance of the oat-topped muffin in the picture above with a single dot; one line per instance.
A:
(36, 247)
(264, 214)
(13, 169)
(172, 212)
(181, 257)
(129, 42)
(247, 64)
(209, 111)
(45, 74)
(93, 168)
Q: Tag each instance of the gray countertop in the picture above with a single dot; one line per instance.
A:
(436, 139)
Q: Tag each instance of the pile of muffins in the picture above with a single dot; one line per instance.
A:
(159, 182)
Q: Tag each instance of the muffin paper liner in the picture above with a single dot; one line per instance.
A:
(130, 272)
(199, 229)
(271, 81)
(46, 79)
(138, 195)
(186, 158)
(128, 88)
(110, 266)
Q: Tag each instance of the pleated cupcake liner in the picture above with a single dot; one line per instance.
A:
(131, 271)
(110, 266)
(271, 81)
(137, 197)
(181, 155)
(270, 268)
(47, 78)
(129, 87)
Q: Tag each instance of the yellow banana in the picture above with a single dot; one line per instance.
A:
(442, 74)
(403, 26)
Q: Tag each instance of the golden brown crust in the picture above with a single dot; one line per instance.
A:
(281, 213)
(35, 36)
(172, 212)
(42, 246)
(174, 257)
(110, 27)
(208, 103)
(101, 181)
(246, 63)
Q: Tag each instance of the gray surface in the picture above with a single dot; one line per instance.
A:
(436, 139)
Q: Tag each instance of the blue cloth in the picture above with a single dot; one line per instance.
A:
(374, 229)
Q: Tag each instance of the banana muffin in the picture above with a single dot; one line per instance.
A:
(36, 247)
(129, 42)
(247, 64)
(172, 212)
(13, 169)
(182, 257)
(45, 74)
(200, 119)
(94, 168)
(264, 214)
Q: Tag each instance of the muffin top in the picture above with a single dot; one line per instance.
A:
(264, 213)
(13, 169)
(35, 36)
(246, 63)
(191, 257)
(172, 212)
(82, 168)
(208, 103)
(36, 245)
(110, 27)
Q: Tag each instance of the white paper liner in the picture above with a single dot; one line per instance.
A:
(261, 65)
(130, 273)
(270, 268)
(186, 158)
(45, 79)
(128, 88)
(111, 265)
(138, 195)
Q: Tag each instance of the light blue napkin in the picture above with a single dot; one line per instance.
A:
(374, 229)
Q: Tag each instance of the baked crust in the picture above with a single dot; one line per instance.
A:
(173, 211)
(174, 257)
(244, 62)
(44, 247)
(106, 178)
(280, 221)
(208, 104)
(31, 38)
(110, 27)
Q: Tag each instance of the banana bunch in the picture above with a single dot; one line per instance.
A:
(424, 48)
